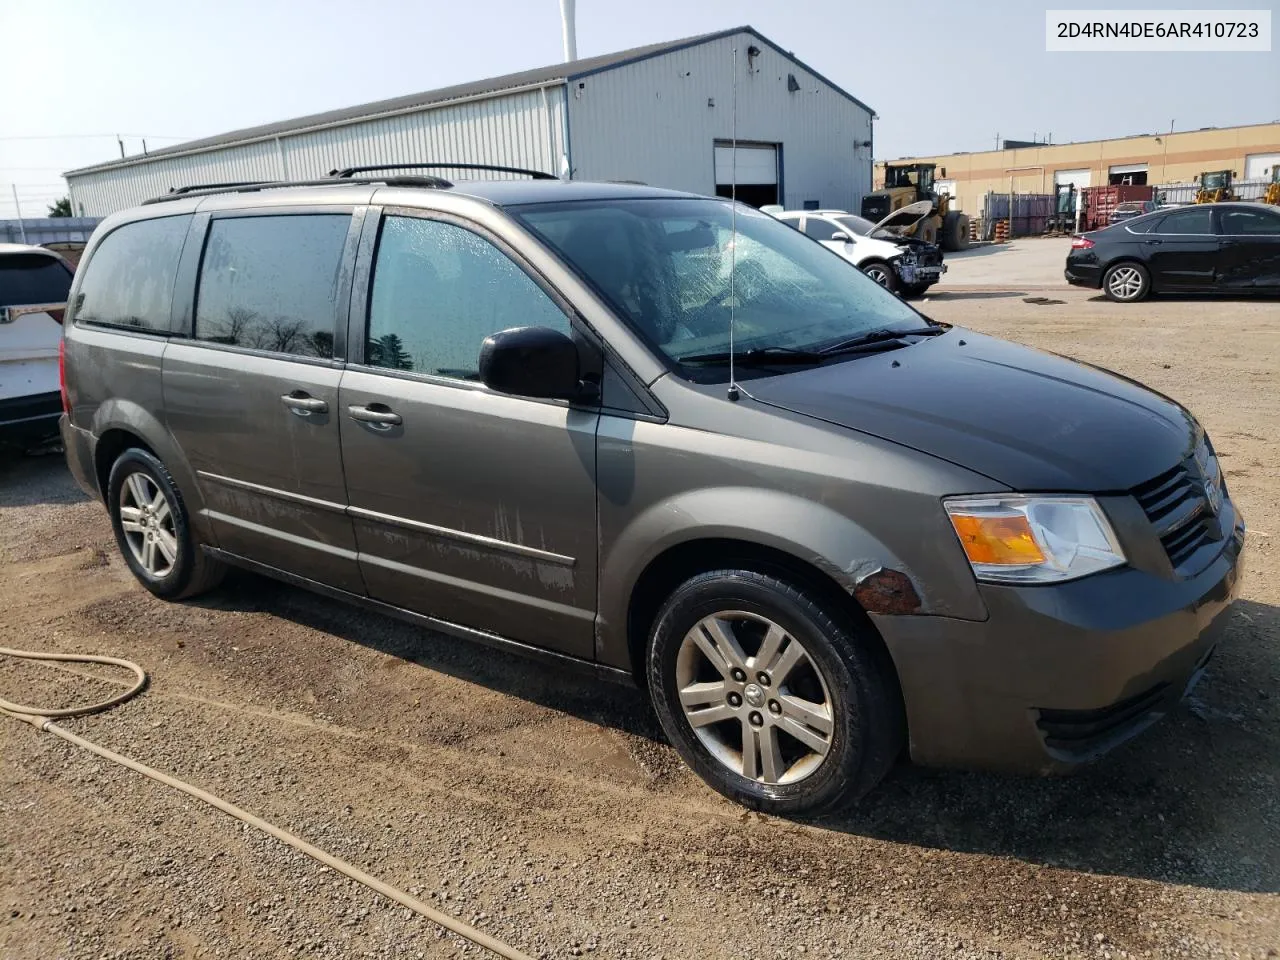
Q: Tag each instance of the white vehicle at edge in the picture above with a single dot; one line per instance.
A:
(902, 264)
(34, 284)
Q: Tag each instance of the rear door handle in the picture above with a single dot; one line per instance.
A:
(304, 405)
(375, 413)
(1149, 240)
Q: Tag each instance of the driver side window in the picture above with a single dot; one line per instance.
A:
(818, 228)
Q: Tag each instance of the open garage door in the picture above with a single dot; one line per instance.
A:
(1128, 174)
(757, 172)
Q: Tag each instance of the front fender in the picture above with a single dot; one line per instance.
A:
(804, 529)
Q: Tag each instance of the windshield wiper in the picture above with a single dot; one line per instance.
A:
(880, 339)
(757, 356)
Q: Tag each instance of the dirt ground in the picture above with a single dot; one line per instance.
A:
(548, 810)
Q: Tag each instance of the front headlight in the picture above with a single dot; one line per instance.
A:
(1031, 539)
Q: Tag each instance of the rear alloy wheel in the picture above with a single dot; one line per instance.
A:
(774, 698)
(153, 530)
(882, 273)
(1126, 282)
(147, 522)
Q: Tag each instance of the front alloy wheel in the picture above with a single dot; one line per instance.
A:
(766, 715)
(882, 274)
(777, 695)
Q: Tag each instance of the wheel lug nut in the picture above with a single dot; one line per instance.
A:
(756, 719)
(735, 700)
(775, 706)
(738, 675)
(762, 678)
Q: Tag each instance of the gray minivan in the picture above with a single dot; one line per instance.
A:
(506, 410)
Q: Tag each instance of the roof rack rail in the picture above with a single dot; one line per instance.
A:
(349, 171)
(253, 186)
(232, 185)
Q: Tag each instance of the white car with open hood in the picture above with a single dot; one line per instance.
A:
(34, 283)
(903, 264)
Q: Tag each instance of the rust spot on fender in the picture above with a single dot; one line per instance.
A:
(887, 591)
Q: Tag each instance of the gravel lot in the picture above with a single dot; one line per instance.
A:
(549, 812)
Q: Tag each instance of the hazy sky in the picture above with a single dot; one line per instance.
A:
(942, 76)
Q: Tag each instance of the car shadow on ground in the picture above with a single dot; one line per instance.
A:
(1195, 800)
(557, 687)
(977, 250)
(30, 479)
(975, 294)
(1198, 297)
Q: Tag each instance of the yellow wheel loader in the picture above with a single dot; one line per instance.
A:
(1215, 187)
(906, 183)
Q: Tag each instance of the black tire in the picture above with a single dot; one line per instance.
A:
(1126, 282)
(955, 232)
(882, 273)
(868, 729)
(191, 570)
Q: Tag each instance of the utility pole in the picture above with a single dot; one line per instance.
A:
(21, 226)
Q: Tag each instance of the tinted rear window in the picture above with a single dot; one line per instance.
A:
(271, 282)
(29, 278)
(1186, 221)
(128, 281)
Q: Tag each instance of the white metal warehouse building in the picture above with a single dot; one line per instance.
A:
(661, 115)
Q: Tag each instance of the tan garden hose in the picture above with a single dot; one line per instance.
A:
(42, 719)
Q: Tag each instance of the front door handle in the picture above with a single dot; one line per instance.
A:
(303, 405)
(375, 413)
(1149, 240)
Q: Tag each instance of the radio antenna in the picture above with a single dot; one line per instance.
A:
(733, 201)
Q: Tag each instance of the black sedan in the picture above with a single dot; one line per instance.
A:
(1208, 248)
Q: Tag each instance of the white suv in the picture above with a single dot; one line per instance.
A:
(903, 264)
(34, 283)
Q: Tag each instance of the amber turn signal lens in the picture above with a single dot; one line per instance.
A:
(1005, 541)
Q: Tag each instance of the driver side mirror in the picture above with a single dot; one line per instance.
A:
(532, 362)
(839, 237)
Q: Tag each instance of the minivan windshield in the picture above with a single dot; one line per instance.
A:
(664, 265)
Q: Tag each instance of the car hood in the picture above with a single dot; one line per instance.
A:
(904, 218)
(1030, 420)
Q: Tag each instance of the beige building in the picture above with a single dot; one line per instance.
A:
(1157, 159)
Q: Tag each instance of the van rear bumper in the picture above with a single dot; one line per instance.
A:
(79, 445)
(1058, 675)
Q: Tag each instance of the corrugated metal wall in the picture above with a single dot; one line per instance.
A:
(524, 129)
(651, 121)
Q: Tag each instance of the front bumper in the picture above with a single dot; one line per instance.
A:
(913, 273)
(1058, 675)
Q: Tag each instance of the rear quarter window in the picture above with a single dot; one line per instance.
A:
(31, 278)
(128, 281)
